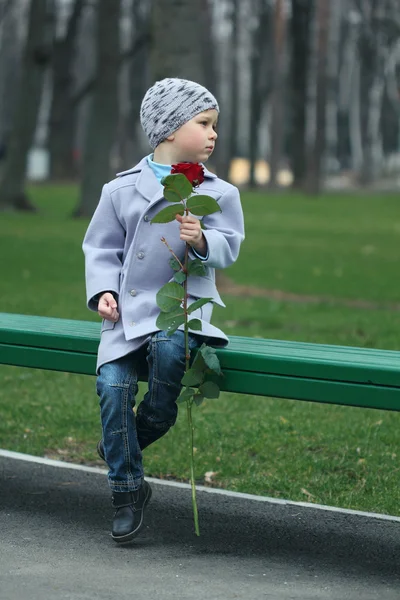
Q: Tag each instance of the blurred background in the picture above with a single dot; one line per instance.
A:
(309, 130)
(309, 90)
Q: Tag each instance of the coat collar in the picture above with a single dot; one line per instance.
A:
(147, 183)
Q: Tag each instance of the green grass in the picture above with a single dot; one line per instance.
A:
(337, 247)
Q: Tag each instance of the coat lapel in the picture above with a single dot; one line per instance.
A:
(148, 185)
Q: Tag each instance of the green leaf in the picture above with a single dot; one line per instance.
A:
(202, 225)
(167, 321)
(174, 264)
(168, 214)
(199, 363)
(211, 359)
(170, 296)
(209, 389)
(172, 329)
(186, 394)
(192, 377)
(196, 267)
(180, 277)
(170, 195)
(195, 325)
(198, 304)
(179, 184)
(202, 205)
(198, 399)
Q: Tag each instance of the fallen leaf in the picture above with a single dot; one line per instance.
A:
(208, 476)
(307, 493)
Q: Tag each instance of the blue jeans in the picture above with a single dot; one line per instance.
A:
(125, 434)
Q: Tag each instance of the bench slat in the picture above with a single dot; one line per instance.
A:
(243, 382)
(323, 373)
(344, 363)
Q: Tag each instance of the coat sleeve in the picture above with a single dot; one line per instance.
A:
(225, 231)
(103, 247)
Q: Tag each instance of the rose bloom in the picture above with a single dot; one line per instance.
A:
(194, 172)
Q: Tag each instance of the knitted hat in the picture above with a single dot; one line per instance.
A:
(170, 103)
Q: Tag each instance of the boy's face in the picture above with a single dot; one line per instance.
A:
(195, 140)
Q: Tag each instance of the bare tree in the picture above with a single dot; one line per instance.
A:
(62, 122)
(277, 96)
(10, 62)
(36, 55)
(379, 36)
(177, 49)
(334, 38)
(348, 100)
(317, 149)
(103, 114)
(302, 13)
(233, 128)
(260, 86)
(139, 66)
(226, 18)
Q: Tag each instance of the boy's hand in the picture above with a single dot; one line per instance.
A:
(190, 232)
(107, 307)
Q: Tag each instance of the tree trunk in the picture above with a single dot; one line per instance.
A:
(255, 116)
(138, 71)
(355, 135)
(371, 95)
(234, 109)
(175, 48)
(208, 46)
(260, 86)
(317, 150)
(333, 86)
(347, 70)
(35, 56)
(372, 141)
(277, 99)
(10, 62)
(62, 113)
(302, 11)
(103, 113)
(225, 52)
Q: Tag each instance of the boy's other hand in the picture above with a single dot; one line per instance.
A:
(107, 307)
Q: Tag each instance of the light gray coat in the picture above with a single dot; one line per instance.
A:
(124, 254)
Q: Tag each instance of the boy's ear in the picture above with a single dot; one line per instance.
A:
(171, 137)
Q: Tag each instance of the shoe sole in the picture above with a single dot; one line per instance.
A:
(130, 536)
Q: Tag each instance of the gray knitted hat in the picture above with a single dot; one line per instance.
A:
(170, 103)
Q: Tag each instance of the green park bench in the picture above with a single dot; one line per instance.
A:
(344, 375)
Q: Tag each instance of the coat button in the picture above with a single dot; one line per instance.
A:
(132, 323)
(146, 218)
(140, 255)
(133, 292)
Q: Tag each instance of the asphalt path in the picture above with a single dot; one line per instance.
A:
(55, 544)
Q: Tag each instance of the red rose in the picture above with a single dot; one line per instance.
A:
(194, 172)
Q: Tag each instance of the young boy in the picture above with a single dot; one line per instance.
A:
(126, 264)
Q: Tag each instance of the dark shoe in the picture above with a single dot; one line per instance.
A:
(100, 449)
(128, 518)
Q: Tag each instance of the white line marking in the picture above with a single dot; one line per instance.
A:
(100, 471)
